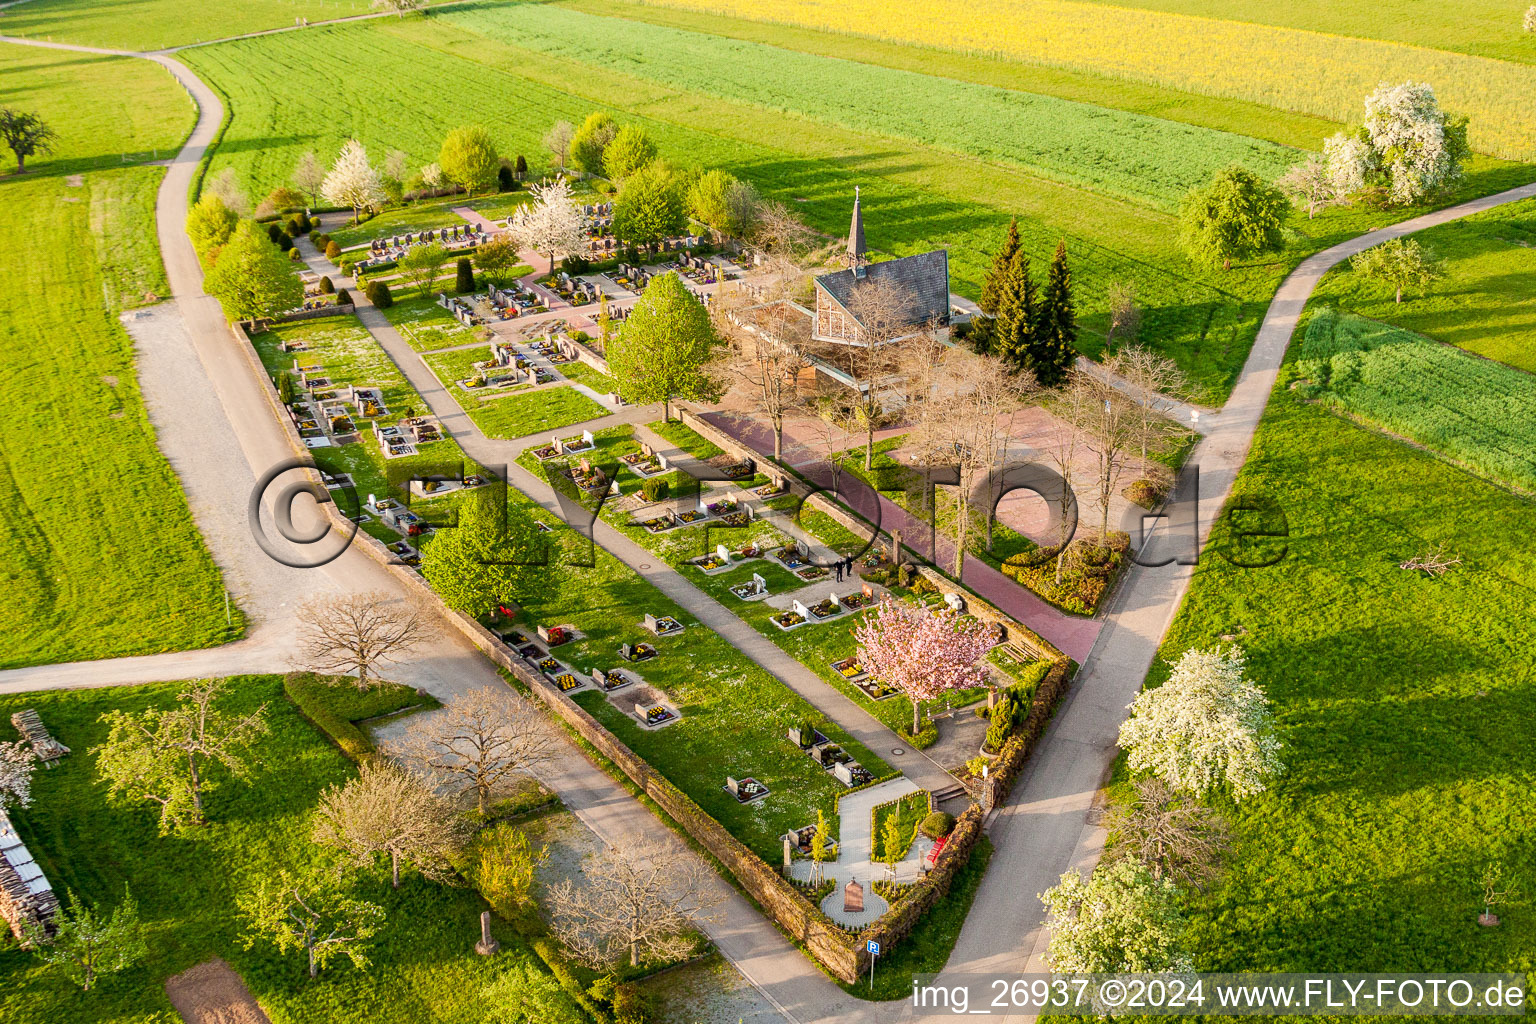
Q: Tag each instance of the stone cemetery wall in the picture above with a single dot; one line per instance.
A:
(316, 314)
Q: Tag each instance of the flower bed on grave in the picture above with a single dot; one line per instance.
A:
(638, 652)
(826, 608)
(811, 572)
(554, 636)
(875, 690)
(788, 620)
(721, 508)
(656, 714)
(748, 591)
(567, 682)
(641, 464)
(593, 479)
(659, 524)
(616, 679)
(848, 668)
(852, 601)
(549, 666)
(736, 519)
(739, 471)
(790, 556)
(665, 626)
(545, 453)
(769, 490)
(576, 445)
(748, 790)
(693, 515)
(710, 563)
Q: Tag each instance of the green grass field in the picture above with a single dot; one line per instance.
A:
(424, 967)
(916, 197)
(1486, 303)
(521, 413)
(103, 557)
(1405, 704)
(1145, 160)
(155, 24)
(1476, 412)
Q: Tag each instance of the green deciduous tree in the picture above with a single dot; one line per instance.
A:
(251, 278)
(504, 867)
(311, 913)
(651, 206)
(523, 994)
(387, 810)
(663, 347)
(209, 225)
(1401, 263)
(422, 265)
(497, 257)
(469, 159)
(1120, 920)
(1207, 726)
(163, 755)
(630, 150)
(590, 142)
(25, 134)
(87, 943)
(725, 203)
(1237, 216)
(484, 558)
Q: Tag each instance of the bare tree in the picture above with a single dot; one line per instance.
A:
(1124, 314)
(479, 740)
(162, 755)
(883, 311)
(558, 141)
(1313, 185)
(388, 810)
(638, 901)
(965, 425)
(1109, 424)
(764, 353)
(1176, 838)
(1157, 383)
(778, 232)
(356, 633)
(308, 176)
(1063, 450)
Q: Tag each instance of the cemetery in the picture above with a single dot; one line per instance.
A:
(745, 790)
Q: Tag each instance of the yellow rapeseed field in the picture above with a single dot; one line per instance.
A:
(1310, 72)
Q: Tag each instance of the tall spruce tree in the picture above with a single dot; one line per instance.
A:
(991, 290)
(1055, 342)
(1015, 325)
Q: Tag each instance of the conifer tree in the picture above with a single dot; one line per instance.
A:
(1055, 342)
(1018, 311)
(991, 290)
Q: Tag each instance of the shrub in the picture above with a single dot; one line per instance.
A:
(521, 168)
(327, 287)
(923, 585)
(629, 1005)
(926, 737)
(293, 229)
(505, 182)
(287, 391)
(347, 267)
(321, 240)
(580, 337)
(305, 224)
(464, 275)
(378, 294)
(332, 250)
(906, 575)
(574, 265)
(937, 824)
(342, 298)
(1144, 493)
(655, 489)
(295, 255)
(1001, 725)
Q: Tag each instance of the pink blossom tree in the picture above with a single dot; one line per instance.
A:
(923, 653)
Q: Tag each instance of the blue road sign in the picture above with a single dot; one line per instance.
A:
(874, 947)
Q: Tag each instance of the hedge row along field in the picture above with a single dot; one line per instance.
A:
(1471, 410)
(1287, 68)
(1143, 159)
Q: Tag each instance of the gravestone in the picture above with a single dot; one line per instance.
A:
(788, 856)
(487, 946)
(734, 786)
(627, 651)
(599, 679)
(844, 772)
(868, 592)
(800, 609)
(853, 898)
(759, 585)
(723, 554)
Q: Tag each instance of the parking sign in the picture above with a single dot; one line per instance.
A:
(874, 947)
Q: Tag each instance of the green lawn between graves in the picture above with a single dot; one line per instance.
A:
(103, 559)
(817, 645)
(423, 215)
(1486, 304)
(916, 198)
(424, 965)
(734, 714)
(426, 326)
(522, 413)
(1405, 704)
(909, 812)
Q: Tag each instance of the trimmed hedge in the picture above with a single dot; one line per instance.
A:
(334, 705)
(655, 489)
(378, 294)
(937, 824)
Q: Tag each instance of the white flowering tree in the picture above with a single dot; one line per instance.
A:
(922, 654)
(1530, 18)
(16, 763)
(552, 224)
(1120, 919)
(1311, 184)
(1406, 142)
(353, 181)
(1206, 726)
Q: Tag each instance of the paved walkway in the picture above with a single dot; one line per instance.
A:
(855, 855)
(1045, 828)
(501, 457)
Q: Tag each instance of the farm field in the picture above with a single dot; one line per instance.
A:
(1473, 411)
(1486, 304)
(1404, 703)
(1145, 160)
(915, 198)
(1220, 113)
(156, 24)
(423, 968)
(104, 559)
(1287, 68)
(1486, 28)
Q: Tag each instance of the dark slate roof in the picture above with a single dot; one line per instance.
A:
(924, 277)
